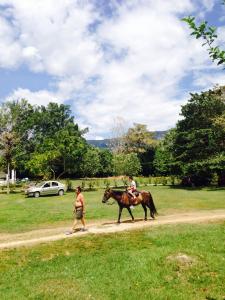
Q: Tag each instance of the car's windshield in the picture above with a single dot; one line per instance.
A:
(39, 184)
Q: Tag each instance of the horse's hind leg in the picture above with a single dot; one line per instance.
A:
(151, 213)
(130, 212)
(145, 210)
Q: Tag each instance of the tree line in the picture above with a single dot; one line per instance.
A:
(46, 142)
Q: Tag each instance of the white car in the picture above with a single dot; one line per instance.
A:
(46, 188)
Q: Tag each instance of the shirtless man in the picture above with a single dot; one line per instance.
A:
(79, 210)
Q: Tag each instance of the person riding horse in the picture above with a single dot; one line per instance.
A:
(132, 190)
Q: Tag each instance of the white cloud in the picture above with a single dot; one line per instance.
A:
(10, 49)
(55, 37)
(130, 64)
(209, 4)
(41, 97)
(205, 81)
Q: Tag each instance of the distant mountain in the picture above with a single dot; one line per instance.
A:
(99, 143)
(106, 142)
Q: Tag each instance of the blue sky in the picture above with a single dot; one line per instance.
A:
(110, 60)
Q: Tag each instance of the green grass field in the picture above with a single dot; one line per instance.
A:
(130, 265)
(18, 213)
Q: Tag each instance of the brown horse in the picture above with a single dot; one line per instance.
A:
(124, 201)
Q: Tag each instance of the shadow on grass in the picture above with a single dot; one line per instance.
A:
(126, 222)
(11, 192)
(213, 188)
(186, 188)
(198, 188)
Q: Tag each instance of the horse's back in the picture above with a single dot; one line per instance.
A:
(145, 195)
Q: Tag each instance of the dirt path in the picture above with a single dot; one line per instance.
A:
(54, 234)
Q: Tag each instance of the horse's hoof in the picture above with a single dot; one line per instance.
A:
(132, 221)
(118, 223)
(146, 219)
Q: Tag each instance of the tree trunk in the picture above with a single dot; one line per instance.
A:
(64, 169)
(8, 176)
(53, 173)
(221, 179)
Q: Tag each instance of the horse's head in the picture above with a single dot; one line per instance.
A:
(107, 195)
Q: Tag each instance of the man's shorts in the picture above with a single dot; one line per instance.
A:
(79, 213)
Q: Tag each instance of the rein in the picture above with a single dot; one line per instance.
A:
(113, 202)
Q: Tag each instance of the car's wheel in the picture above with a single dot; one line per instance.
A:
(61, 192)
(36, 194)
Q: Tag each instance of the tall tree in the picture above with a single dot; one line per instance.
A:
(117, 141)
(199, 144)
(164, 161)
(50, 142)
(126, 164)
(90, 162)
(8, 142)
(106, 166)
(17, 117)
(141, 141)
(58, 139)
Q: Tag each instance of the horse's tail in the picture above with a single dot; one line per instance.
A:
(152, 206)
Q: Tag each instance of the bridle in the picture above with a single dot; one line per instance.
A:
(113, 200)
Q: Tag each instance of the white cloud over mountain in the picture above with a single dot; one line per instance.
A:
(129, 63)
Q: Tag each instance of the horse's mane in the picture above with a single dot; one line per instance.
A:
(118, 192)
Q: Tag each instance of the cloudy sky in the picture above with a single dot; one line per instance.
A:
(132, 59)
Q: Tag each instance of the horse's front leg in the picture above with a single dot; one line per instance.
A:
(145, 210)
(130, 212)
(120, 212)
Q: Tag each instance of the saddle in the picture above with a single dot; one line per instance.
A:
(133, 201)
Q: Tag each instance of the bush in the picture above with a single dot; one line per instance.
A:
(69, 184)
(83, 184)
(90, 185)
(214, 179)
(164, 180)
(125, 182)
(106, 183)
(97, 183)
(115, 183)
(155, 180)
(172, 180)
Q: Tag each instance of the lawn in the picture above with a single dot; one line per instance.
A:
(130, 265)
(18, 213)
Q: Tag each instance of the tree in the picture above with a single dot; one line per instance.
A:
(50, 142)
(90, 162)
(208, 34)
(8, 141)
(164, 161)
(126, 164)
(17, 117)
(199, 143)
(117, 142)
(60, 148)
(138, 139)
(106, 166)
(141, 141)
